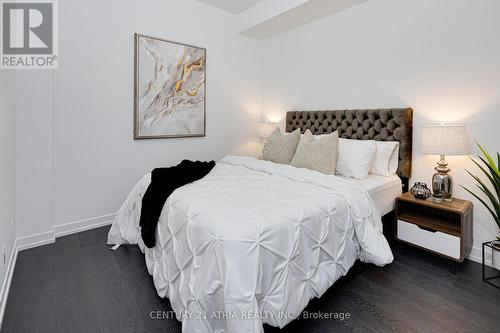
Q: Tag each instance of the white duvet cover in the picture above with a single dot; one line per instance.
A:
(253, 242)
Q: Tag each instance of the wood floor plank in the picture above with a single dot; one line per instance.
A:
(483, 306)
(35, 314)
(76, 312)
(404, 308)
(11, 300)
(133, 269)
(331, 302)
(469, 276)
(94, 235)
(426, 263)
(470, 279)
(437, 309)
(296, 326)
(37, 274)
(370, 313)
(33, 291)
(321, 325)
(116, 309)
(337, 301)
(354, 323)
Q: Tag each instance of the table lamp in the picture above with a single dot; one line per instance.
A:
(443, 140)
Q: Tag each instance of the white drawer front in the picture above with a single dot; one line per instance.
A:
(436, 241)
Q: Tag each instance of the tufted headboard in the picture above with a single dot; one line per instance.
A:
(372, 124)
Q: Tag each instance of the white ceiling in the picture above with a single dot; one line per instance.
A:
(271, 17)
(233, 6)
(262, 19)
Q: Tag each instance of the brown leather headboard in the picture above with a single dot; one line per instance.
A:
(374, 124)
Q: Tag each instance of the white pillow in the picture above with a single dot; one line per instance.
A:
(384, 158)
(355, 158)
(394, 161)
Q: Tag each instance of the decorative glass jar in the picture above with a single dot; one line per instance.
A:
(420, 191)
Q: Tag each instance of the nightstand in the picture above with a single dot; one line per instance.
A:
(442, 228)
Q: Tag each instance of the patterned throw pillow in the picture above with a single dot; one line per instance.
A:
(317, 152)
(280, 148)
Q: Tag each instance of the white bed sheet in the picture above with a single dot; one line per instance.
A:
(383, 190)
(254, 239)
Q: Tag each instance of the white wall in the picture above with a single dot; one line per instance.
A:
(34, 204)
(76, 155)
(441, 58)
(7, 175)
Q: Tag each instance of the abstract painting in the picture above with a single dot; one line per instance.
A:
(169, 94)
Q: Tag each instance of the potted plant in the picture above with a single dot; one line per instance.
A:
(488, 193)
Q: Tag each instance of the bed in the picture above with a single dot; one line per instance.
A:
(254, 241)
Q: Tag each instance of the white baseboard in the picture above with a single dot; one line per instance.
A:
(83, 225)
(61, 230)
(7, 281)
(477, 256)
(28, 242)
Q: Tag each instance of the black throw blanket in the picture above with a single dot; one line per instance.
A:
(164, 181)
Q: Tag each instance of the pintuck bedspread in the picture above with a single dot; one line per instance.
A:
(253, 242)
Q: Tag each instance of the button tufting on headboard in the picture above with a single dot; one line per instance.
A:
(370, 124)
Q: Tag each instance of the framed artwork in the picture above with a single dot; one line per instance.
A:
(169, 89)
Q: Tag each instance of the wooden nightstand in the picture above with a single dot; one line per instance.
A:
(442, 228)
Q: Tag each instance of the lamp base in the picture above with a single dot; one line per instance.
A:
(441, 182)
(437, 199)
(441, 199)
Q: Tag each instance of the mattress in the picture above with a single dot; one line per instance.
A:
(383, 190)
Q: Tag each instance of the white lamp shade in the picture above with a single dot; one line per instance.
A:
(445, 140)
(264, 129)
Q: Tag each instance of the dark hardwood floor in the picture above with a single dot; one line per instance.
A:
(79, 285)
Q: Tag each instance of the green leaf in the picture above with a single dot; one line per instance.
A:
(490, 160)
(495, 183)
(492, 174)
(486, 191)
(490, 169)
(497, 219)
(492, 198)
